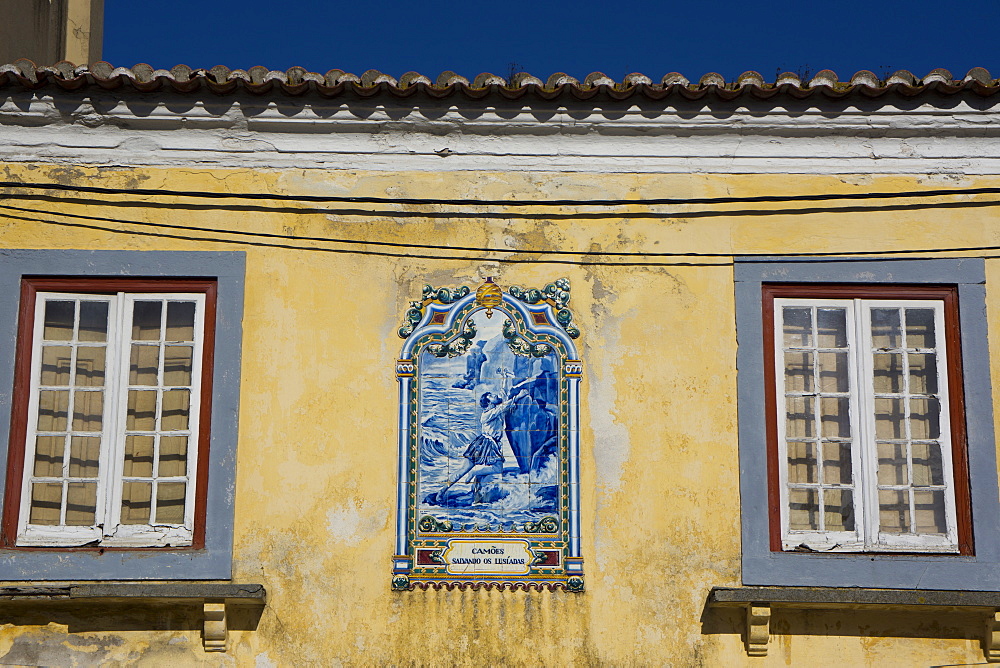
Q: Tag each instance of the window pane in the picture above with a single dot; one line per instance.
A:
(144, 365)
(49, 456)
(833, 372)
(800, 418)
(801, 462)
(146, 321)
(173, 456)
(175, 410)
(81, 503)
(138, 456)
(925, 414)
(892, 464)
(928, 468)
(890, 421)
(894, 511)
(170, 502)
(84, 456)
(836, 416)
(886, 328)
(93, 321)
(923, 373)
(180, 321)
(46, 502)
(88, 410)
(55, 365)
(59, 321)
(803, 510)
(928, 507)
(90, 366)
(920, 328)
(53, 410)
(141, 414)
(177, 362)
(888, 372)
(798, 372)
(797, 326)
(831, 327)
(837, 463)
(838, 512)
(135, 502)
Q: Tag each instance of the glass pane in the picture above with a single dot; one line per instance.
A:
(93, 321)
(798, 372)
(928, 508)
(889, 418)
(797, 326)
(81, 504)
(90, 366)
(173, 456)
(170, 502)
(920, 328)
(837, 463)
(88, 410)
(803, 510)
(55, 365)
(177, 362)
(886, 328)
(84, 456)
(801, 462)
(831, 327)
(49, 456)
(59, 321)
(838, 510)
(833, 372)
(138, 456)
(46, 502)
(835, 413)
(144, 365)
(53, 410)
(892, 464)
(893, 511)
(928, 469)
(925, 420)
(146, 321)
(923, 373)
(888, 371)
(135, 502)
(141, 410)
(175, 410)
(800, 419)
(180, 321)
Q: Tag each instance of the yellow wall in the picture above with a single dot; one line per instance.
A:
(316, 475)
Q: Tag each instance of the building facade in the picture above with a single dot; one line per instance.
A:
(307, 369)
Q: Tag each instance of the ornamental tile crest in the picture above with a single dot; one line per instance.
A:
(489, 440)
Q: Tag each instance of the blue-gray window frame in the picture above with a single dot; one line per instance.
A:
(763, 567)
(214, 561)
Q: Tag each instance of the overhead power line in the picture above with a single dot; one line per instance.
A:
(819, 197)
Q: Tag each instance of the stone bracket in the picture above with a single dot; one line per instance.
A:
(991, 639)
(758, 631)
(216, 633)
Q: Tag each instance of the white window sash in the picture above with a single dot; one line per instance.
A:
(108, 531)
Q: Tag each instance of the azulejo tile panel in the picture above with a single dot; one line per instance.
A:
(488, 440)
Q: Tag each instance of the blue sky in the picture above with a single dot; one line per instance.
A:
(541, 37)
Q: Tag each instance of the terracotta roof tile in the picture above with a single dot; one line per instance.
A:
(298, 81)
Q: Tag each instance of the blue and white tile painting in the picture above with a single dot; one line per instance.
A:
(489, 434)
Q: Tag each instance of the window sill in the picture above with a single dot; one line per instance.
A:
(214, 599)
(758, 601)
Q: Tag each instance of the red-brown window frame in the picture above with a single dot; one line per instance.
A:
(956, 394)
(30, 286)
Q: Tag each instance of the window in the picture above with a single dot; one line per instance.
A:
(869, 455)
(849, 357)
(110, 426)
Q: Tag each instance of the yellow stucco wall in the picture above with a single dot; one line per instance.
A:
(316, 475)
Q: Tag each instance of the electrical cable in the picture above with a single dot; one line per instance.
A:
(491, 202)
